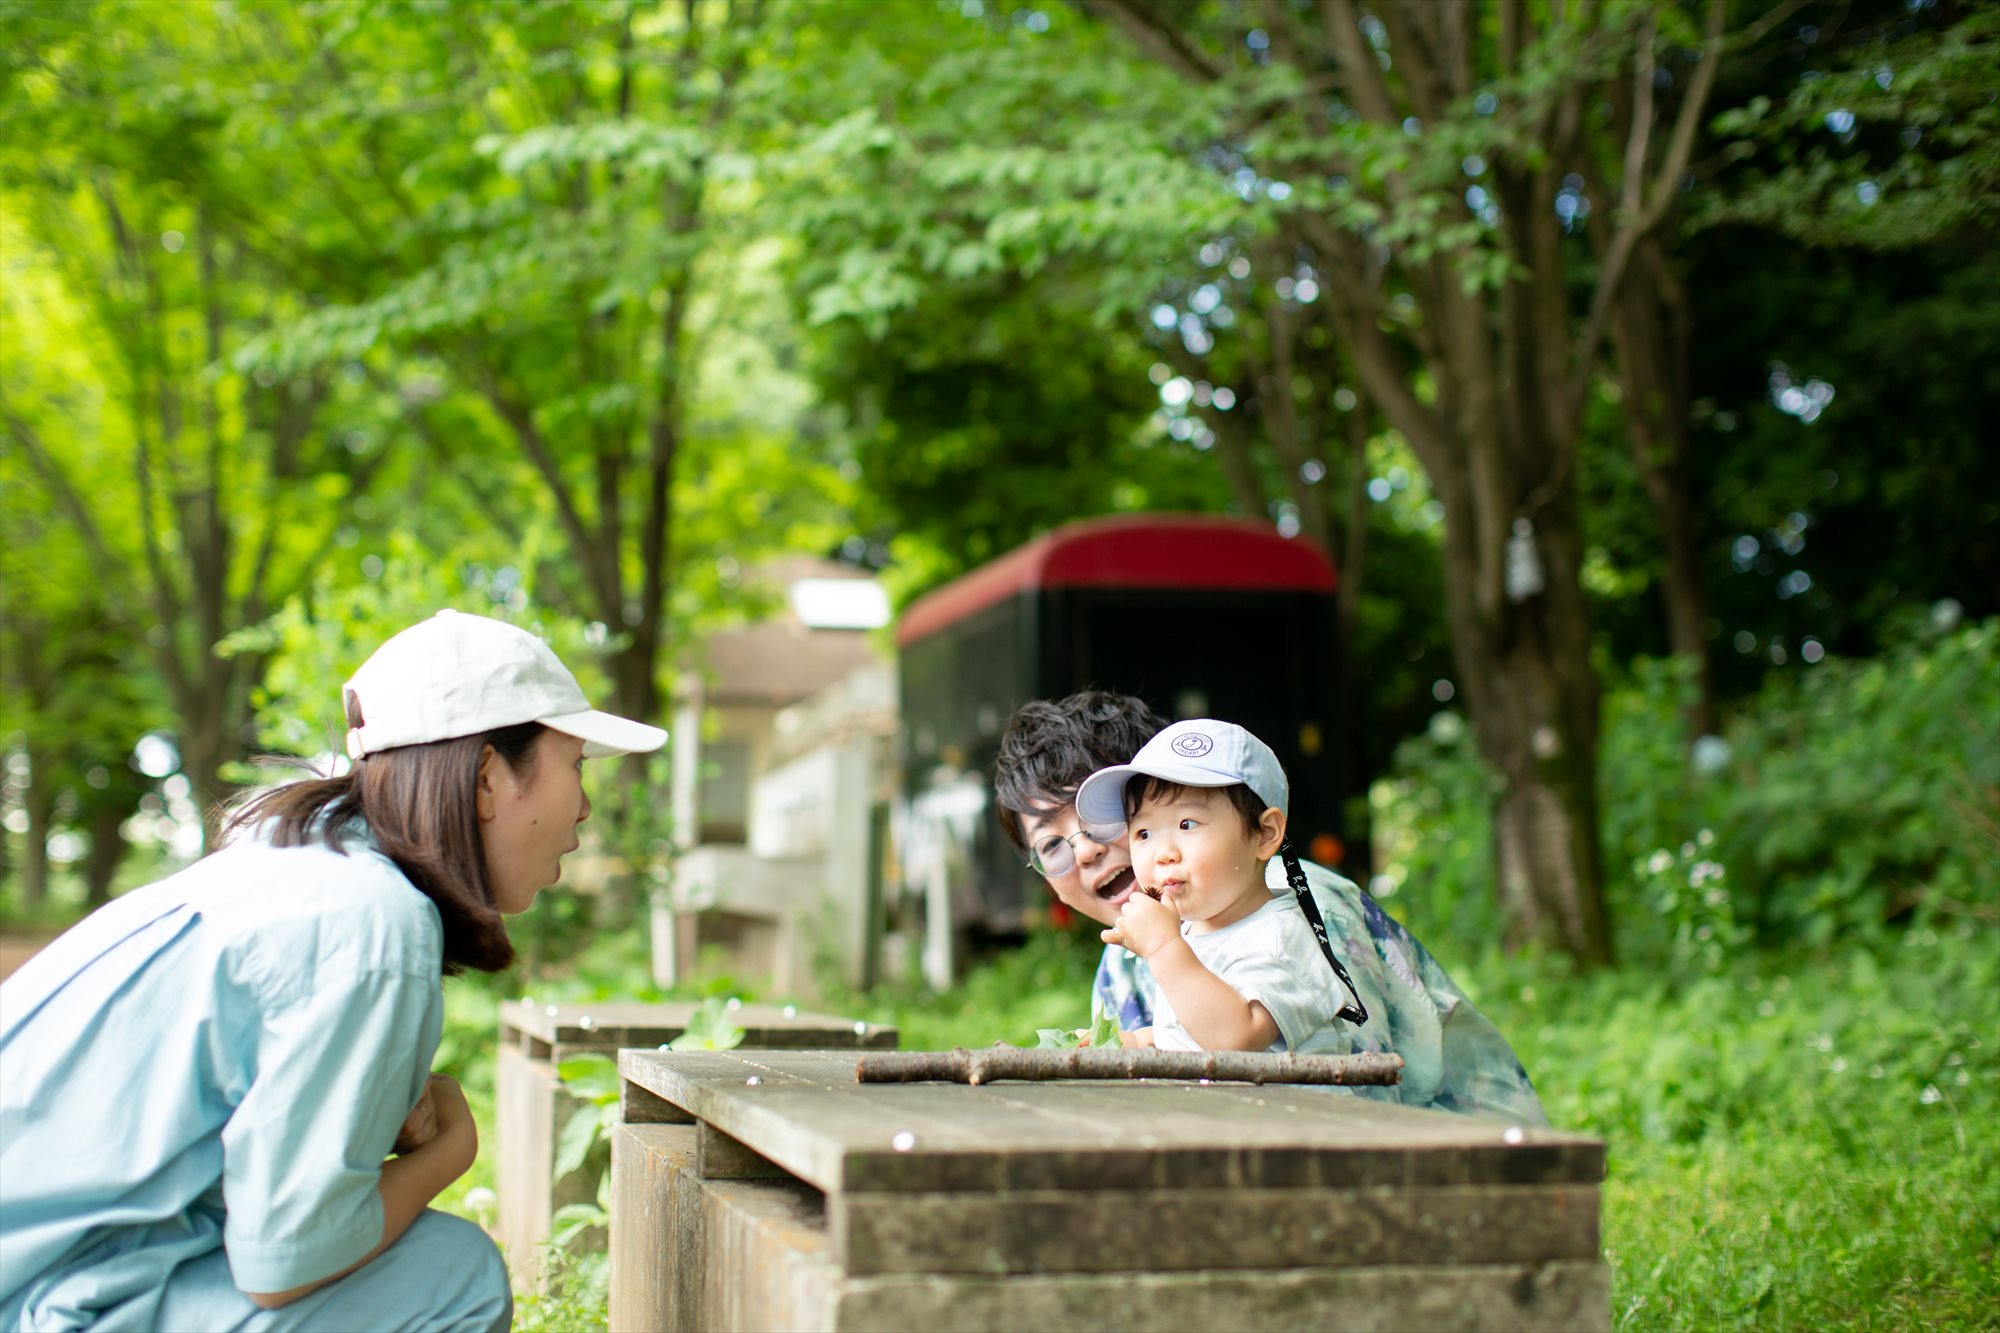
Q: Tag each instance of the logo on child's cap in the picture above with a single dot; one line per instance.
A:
(1200, 752)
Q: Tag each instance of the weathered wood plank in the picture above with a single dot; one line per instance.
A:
(998, 1064)
(1073, 1231)
(802, 1113)
(611, 1025)
(766, 1261)
(657, 1237)
(719, 1157)
(765, 1264)
(1546, 1298)
(638, 1106)
(526, 1096)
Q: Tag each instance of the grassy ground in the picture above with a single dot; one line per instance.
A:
(1803, 1141)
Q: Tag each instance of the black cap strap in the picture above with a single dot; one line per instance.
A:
(1295, 874)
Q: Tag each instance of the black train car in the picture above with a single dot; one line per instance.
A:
(1199, 616)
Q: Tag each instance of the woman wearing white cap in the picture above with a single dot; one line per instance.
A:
(204, 1078)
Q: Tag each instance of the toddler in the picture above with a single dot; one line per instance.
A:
(1237, 969)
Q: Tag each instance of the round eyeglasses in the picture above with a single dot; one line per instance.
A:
(1055, 855)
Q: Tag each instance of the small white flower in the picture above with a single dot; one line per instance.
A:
(480, 1199)
(1931, 1096)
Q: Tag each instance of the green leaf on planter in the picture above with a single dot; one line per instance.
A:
(594, 1078)
(583, 1132)
(572, 1219)
(709, 1029)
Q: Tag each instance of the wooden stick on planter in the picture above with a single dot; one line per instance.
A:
(985, 1066)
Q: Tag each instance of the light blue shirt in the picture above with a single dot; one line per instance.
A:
(221, 1059)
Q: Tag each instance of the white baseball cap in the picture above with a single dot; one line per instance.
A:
(1200, 752)
(462, 675)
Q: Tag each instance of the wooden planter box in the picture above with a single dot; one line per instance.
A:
(769, 1190)
(532, 1106)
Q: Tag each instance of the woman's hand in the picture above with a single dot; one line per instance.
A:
(457, 1136)
(420, 1126)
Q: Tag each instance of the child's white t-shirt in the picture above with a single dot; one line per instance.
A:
(1271, 957)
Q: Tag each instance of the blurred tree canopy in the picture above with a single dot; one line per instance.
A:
(1570, 334)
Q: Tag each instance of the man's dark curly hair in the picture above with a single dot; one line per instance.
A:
(1051, 746)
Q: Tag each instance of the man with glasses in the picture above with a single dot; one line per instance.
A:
(1454, 1058)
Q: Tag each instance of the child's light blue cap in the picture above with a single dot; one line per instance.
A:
(1200, 752)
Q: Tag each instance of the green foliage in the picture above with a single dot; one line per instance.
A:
(1805, 1139)
(1433, 829)
(1877, 783)
(1010, 997)
(575, 1291)
(592, 1080)
(1847, 794)
(1102, 1032)
(710, 1028)
(1889, 141)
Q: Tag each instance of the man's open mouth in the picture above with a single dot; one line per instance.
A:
(1116, 887)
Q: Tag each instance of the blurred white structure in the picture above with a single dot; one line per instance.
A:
(784, 766)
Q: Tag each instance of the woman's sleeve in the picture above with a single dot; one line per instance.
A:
(337, 1068)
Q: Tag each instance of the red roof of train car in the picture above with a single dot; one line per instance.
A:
(1129, 551)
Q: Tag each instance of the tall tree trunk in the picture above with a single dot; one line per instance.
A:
(107, 851)
(1521, 640)
(1649, 340)
(38, 801)
(205, 748)
(1532, 696)
(1353, 766)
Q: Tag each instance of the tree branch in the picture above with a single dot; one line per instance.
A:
(109, 567)
(1008, 1062)
(604, 581)
(1672, 167)
(1363, 80)
(1157, 38)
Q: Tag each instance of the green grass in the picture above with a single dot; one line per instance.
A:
(1805, 1141)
